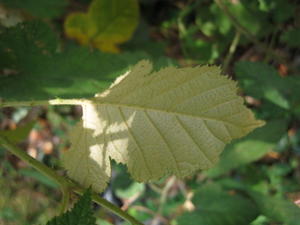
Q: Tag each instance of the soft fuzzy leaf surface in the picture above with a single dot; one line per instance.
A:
(106, 24)
(174, 121)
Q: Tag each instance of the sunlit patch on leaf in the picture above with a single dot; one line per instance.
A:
(106, 24)
(174, 121)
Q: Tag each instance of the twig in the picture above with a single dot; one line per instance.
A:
(150, 212)
(231, 50)
(163, 197)
(65, 183)
(57, 101)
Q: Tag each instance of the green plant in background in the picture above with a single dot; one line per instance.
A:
(156, 121)
(219, 24)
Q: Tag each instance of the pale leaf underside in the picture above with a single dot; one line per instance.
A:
(174, 121)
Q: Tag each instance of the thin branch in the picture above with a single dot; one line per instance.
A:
(33, 162)
(64, 182)
(57, 101)
(65, 199)
(231, 50)
(163, 198)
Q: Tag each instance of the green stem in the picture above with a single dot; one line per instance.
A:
(64, 182)
(111, 207)
(231, 50)
(164, 194)
(57, 101)
(33, 162)
(65, 199)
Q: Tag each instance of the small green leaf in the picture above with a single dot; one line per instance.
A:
(215, 206)
(80, 214)
(106, 24)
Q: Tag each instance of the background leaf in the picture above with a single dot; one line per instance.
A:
(277, 209)
(106, 24)
(250, 148)
(263, 81)
(28, 52)
(215, 206)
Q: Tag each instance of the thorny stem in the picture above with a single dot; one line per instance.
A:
(65, 183)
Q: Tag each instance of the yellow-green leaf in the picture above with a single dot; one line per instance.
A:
(106, 24)
(174, 121)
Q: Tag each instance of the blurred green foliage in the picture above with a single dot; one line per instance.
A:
(38, 8)
(216, 206)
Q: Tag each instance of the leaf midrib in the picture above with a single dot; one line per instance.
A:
(138, 108)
